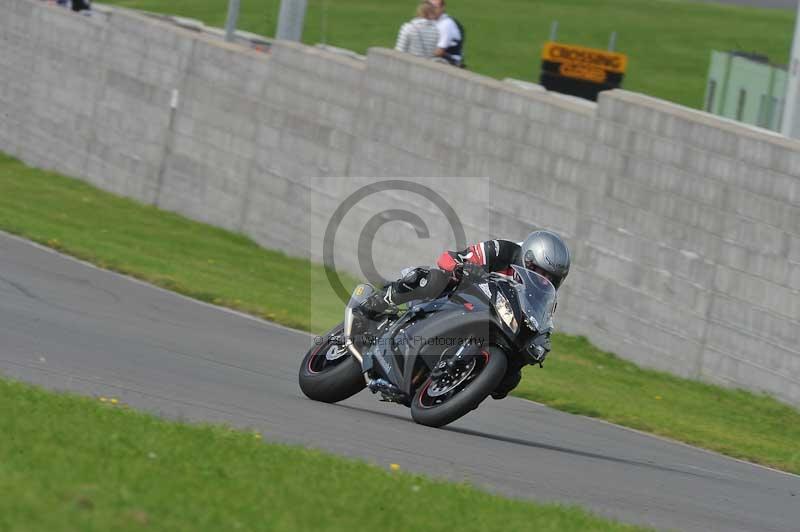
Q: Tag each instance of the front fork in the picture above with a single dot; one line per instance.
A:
(388, 391)
(361, 293)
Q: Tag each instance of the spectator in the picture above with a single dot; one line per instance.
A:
(419, 36)
(451, 35)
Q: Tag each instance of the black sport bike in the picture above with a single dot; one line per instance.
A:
(441, 357)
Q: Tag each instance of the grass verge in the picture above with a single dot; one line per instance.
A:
(163, 248)
(76, 464)
(228, 269)
(669, 41)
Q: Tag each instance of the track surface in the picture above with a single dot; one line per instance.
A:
(66, 325)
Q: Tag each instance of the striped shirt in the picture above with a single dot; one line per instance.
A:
(418, 37)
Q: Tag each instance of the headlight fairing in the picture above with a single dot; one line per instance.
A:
(505, 312)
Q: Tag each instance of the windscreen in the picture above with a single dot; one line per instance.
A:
(537, 297)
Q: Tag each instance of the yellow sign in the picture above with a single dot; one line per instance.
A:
(360, 290)
(584, 63)
(579, 71)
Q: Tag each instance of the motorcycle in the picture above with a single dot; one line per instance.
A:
(440, 357)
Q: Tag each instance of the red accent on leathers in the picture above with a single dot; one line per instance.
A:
(446, 262)
(477, 256)
(493, 255)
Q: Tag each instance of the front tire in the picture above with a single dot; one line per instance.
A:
(438, 411)
(330, 381)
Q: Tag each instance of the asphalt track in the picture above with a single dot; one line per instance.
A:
(67, 325)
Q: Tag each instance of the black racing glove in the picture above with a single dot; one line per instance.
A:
(469, 272)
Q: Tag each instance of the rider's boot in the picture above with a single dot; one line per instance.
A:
(509, 382)
(410, 286)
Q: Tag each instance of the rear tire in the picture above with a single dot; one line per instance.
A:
(330, 381)
(464, 400)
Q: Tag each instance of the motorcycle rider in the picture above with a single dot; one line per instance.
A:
(542, 251)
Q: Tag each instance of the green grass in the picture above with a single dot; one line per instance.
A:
(214, 265)
(70, 463)
(582, 379)
(669, 41)
(166, 249)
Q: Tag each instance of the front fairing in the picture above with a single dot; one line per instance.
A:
(419, 337)
(425, 330)
(536, 297)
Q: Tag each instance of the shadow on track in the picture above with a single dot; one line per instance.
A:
(585, 454)
(550, 447)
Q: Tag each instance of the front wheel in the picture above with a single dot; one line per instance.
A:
(329, 373)
(446, 396)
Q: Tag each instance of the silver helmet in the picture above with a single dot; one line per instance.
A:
(545, 253)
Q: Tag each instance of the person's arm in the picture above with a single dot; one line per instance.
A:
(450, 260)
(402, 39)
(448, 32)
(494, 255)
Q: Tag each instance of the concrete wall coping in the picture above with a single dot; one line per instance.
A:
(144, 18)
(700, 117)
(230, 46)
(321, 53)
(566, 103)
(169, 24)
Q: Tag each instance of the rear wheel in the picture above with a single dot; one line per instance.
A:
(456, 389)
(329, 372)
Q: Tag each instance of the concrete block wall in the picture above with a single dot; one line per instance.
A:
(306, 126)
(140, 64)
(51, 81)
(685, 227)
(213, 134)
(705, 211)
(16, 67)
(518, 149)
